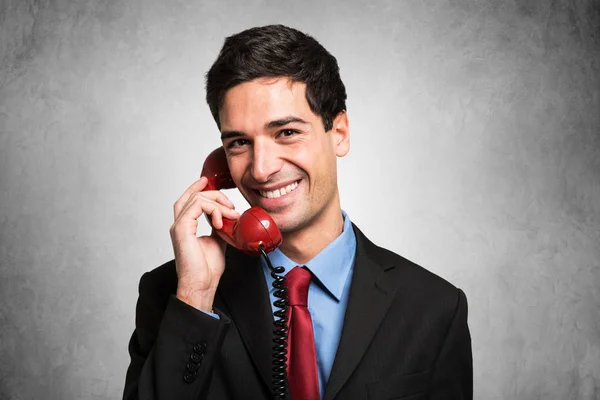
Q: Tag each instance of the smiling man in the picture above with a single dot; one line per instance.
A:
(369, 324)
(274, 141)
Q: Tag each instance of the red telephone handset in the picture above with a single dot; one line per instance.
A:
(255, 227)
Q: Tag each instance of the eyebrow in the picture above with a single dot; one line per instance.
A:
(269, 125)
(284, 121)
(230, 134)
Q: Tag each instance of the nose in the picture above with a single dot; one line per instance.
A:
(265, 161)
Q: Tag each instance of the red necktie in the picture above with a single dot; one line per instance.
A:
(302, 356)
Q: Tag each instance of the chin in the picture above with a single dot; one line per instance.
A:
(291, 222)
(285, 224)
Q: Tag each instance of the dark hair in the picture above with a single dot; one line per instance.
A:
(274, 51)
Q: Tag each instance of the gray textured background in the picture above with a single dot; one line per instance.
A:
(476, 153)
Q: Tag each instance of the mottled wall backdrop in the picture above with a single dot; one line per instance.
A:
(476, 153)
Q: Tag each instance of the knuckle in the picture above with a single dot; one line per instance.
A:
(211, 207)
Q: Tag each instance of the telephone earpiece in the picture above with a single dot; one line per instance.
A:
(255, 228)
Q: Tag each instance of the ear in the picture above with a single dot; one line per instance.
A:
(340, 134)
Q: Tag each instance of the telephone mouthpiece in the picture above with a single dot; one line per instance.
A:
(256, 228)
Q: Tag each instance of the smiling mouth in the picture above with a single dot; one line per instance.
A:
(282, 191)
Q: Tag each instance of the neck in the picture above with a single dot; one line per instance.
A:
(303, 245)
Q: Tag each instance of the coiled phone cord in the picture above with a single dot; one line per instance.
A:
(280, 331)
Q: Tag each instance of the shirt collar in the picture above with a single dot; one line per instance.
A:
(330, 267)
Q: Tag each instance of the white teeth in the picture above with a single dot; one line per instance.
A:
(273, 194)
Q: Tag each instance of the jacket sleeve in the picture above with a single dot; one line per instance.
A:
(172, 348)
(453, 372)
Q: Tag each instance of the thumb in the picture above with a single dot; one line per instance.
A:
(216, 234)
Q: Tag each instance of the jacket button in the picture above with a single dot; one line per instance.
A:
(192, 367)
(200, 347)
(189, 378)
(195, 357)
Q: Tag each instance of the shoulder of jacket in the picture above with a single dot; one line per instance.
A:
(406, 272)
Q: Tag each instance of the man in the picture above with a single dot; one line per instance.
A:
(382, 327)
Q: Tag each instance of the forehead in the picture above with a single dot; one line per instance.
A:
(254, 103)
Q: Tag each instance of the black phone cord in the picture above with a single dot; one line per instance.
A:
(280, 331)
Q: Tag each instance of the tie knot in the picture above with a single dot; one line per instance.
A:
(298, 281)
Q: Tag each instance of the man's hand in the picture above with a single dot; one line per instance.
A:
(200, 261)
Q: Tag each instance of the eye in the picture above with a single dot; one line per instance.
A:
(287, 132)
(236, 144)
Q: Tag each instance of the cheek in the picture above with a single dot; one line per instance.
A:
(319, 163)
(323, 173)
(237, 168)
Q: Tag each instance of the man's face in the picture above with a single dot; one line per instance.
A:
(280, 157)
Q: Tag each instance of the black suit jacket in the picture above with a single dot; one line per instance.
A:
(405, 335)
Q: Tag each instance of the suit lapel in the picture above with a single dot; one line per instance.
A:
(243, 289)
(369, 300)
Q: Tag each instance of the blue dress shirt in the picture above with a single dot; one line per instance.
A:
(327, 294)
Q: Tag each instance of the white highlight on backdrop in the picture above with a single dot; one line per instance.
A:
(475, 153)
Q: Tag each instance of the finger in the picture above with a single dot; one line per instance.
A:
(199, 204)
(218, 198)
(225, 212)
(187, 220)
(216, 218)
(224, 200)
(185, 197)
